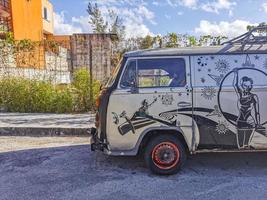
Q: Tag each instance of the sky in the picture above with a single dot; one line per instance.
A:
(159, 17)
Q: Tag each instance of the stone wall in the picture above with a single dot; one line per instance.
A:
(57, 77)
(93, 51)
(59, 61)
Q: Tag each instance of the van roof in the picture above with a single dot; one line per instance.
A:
(225, 49)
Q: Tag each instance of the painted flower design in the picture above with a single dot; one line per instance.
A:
(222, 66)
(222, 127)
(202, 61)
(208, 92)
(167, 99)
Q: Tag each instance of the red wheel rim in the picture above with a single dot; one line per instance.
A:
(165, 155)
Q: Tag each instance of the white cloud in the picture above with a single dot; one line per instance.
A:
(186, 3)
(214, 6)
(218, 5)
(83, 22)
(264, 6)
(147, 14)
(189, 3)
(62, 27)
(180, 13)
(167, 16)
(135, 14)
(230, 29)
(117, 2)
(230, 13)
(155, 3)
(134, 18)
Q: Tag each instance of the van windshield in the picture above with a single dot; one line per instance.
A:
(114, 74)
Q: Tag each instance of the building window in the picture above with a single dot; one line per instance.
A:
(45, 14)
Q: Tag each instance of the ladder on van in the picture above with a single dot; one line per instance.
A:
(256, 36)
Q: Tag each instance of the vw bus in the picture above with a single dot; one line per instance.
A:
(168, 103)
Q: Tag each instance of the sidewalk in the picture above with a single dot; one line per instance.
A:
(32, 124)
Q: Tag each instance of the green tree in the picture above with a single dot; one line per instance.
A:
(158, 41)
(96, 19)
(192, 41)
(146, 42)
(217, 40)
(205, 40)
(263, 24)
(117, 26)
(172, 40)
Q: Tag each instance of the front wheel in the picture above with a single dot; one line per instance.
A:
(165, 154)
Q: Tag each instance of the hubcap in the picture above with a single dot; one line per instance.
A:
(165, 155)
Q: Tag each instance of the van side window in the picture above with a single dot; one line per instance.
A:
(129, 77)
(163, 72)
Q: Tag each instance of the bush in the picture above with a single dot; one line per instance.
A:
(24, 95)
(86, 93)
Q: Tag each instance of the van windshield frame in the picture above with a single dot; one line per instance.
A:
(115, 73)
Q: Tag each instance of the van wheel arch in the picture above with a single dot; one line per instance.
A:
(154, 133)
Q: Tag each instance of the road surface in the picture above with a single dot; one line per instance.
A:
(73, 172)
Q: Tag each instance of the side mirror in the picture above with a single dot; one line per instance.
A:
(134, 89)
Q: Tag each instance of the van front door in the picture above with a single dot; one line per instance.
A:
(150, 95)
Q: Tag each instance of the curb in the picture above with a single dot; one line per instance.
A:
(42, 132)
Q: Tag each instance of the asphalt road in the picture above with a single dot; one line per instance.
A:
(74, 172)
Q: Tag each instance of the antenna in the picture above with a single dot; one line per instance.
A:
(252, 37)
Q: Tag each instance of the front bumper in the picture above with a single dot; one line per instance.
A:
(96, 143)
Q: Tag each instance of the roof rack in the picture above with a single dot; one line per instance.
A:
(250, 38)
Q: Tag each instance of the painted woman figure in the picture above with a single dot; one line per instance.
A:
(248, 106)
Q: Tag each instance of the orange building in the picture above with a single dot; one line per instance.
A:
(27, 19)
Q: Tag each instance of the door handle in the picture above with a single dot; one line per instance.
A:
(184, 104)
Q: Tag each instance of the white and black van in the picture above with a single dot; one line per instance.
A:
(166, 103)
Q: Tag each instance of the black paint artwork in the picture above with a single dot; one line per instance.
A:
(203, 80)
(248, 63)
(208, 92)
(222, 66)
(138, 120)
(202, 61)
(167, 99)
(248, 101)
(216, 78)
(222, 127)
(257, 57)
(215, 112)
(265, 64)
(248, 120)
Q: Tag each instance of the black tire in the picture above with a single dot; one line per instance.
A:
(160, 155)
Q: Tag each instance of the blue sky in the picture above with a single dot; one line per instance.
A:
(142, 17)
